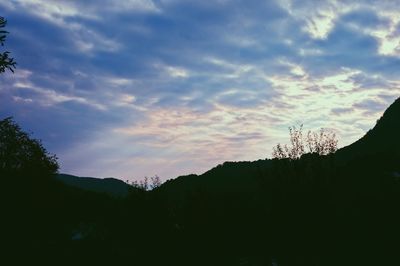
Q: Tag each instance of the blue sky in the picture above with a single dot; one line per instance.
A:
(136, 88)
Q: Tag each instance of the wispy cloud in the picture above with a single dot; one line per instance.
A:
(123, 88)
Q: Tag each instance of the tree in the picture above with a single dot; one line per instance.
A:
(6, 62)
(145, 184)
(155, 182)
(22, 155)
(321, 143)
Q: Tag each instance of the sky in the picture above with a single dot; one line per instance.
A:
(136, 88)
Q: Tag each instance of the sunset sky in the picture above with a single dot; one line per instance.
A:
(135, 88)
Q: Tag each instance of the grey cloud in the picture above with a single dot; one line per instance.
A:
(341, 111)
(370, 106)
(364, 81)
(365, 18)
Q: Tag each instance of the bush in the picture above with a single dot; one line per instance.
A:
(321, 143)
(146, 185)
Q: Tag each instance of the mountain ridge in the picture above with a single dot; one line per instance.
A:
(242, 176)
(109, 185)
(382, 138)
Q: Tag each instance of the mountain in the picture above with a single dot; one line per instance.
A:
(244, 177)
(229, 177)
(383, 138)
(110, 186)
(340, 209)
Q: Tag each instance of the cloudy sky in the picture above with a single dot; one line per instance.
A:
(135, 88)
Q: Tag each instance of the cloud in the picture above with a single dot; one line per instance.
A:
(180, 86)
(341, 111)
(370, 106)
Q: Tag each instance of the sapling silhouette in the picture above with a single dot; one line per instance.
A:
(323, 142)
(145, 184)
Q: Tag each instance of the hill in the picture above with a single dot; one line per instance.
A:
(244, 177)
(229, 177)
(110, 186)
(383, 138)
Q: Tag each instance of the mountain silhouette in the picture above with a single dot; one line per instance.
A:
(110, 186)
(383, 138)
(244, 177)
(230, 177)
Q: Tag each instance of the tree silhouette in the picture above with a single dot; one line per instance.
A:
(6, 62)
(146, 184)
(323, 142)
(20, 154)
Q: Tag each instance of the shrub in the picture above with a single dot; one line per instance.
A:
(323, 142)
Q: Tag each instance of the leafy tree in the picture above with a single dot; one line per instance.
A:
(323, 142)
(6, 62)
(145, 184)
(20, 154)
(155, 182)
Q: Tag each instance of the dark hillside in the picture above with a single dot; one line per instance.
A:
(384, 137)
(226, 178)
(110, 186)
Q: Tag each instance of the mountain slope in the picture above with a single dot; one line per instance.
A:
(226, 178)
(111, 186)
(244, 177)
(383, 138)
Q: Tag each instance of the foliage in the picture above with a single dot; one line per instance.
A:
(19, 153)
(323, 142)
(145, 184)
(6, 62)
